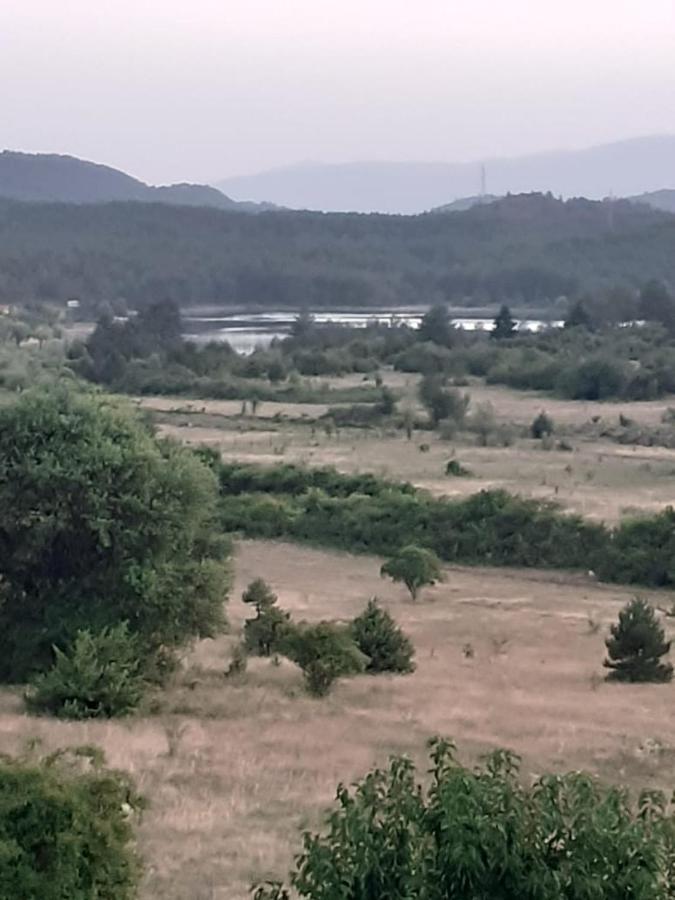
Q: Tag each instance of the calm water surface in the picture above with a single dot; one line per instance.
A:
(246, 331)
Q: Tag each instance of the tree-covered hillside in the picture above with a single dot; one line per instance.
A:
(522, 249)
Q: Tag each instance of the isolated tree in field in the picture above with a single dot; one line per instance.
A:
(504, 324)
(264, 634)
(442, 402)
(479, 833)
(101, 523)
(636, 645)
(377, 635)
(416, 567)
(542, 426)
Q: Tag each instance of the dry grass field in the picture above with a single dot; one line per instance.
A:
(234, 769)
(599, 479)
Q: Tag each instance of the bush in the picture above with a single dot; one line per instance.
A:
(636, 646)
(442, 402)
(483, 423)
(456, 469)
(380, 639)
(101, 523)
(324, 652)
(415, 566)
(98, 677)
(542, 426)
(478, 834)
(65, 833)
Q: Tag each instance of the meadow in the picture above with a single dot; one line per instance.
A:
(235, 768)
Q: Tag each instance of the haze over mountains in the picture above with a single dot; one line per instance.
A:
(46, 177)
(624, 169)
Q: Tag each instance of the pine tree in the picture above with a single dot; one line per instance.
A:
(264, 634)
(636, 646)
(378, 636)
(504, 325)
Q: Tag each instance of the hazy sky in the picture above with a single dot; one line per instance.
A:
(200, 89)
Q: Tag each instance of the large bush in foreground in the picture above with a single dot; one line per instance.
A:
(100, 523)
(65, 832)
(478, 834)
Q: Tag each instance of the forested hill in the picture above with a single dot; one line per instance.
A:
(45, 177)
(526, 249)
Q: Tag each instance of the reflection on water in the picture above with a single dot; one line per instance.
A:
(246, 331)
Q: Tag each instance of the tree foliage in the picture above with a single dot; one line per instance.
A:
(100, 523)
(504, 324)
(479, 834)
(267, 631)
(325, 652)
(378, 637)
(636, 645)
(415, 566)
(65, 832)
(99, 676)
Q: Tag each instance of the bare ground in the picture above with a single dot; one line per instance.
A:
(233, 770)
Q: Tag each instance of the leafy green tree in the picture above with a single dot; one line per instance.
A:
(504, 324)
(101, 523)
(324, 652)
(415, 566)
(636, 645)
(436, 327)
(377, 635)
(99, 676)
(65, 833)
(479, 834)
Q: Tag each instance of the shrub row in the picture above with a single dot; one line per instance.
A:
(366, 514)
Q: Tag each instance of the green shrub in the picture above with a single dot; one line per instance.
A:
(542, 426)
(456, 469)
(66, 834)
(101, 523)
(636, 646)
(98, 677)
(325, 652)
(379, 638)
(480, 834)
(415, 566)
(266, 634)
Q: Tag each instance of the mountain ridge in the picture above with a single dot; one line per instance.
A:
(60, 178)
(621, 168)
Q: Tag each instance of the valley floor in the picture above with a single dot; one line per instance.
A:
(233, 770)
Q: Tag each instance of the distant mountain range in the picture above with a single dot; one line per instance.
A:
(663, 200)
(46, 177)
(624, 169)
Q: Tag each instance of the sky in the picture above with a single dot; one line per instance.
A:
(175, 90)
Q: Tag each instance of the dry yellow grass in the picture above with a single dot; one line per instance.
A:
(599, 479)
(233, 770)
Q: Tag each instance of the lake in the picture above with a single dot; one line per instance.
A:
(246, 331)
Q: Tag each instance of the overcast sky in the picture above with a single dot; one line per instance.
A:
(173, 90)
